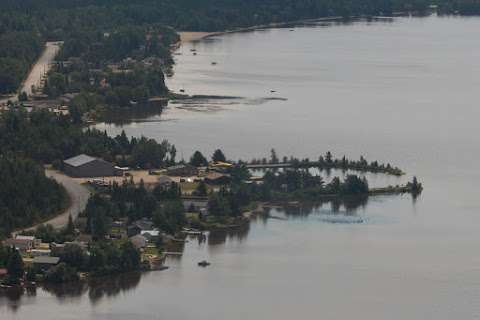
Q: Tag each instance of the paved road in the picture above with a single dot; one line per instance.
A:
(79, 197)
(42, 65)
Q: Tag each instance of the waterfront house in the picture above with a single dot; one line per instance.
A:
(83, 166)
(182, 170)
(42, 263)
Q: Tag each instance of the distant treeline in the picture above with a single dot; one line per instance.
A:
(48, 138)
(82, 24)
(27, 196)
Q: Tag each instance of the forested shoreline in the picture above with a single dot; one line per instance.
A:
(83, 24)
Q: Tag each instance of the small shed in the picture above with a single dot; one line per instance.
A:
(83, 166)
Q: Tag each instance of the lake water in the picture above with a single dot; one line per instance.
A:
(404, 92)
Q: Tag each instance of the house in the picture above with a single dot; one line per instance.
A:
(182, 170)
(42, 264)
(21, 243)
(165, 182)
(150, 235)
(41, 252)
(138, 226)
(83, 166)
(216, 178)
(138, 241)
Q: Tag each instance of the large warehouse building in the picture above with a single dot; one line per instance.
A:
(84, 166)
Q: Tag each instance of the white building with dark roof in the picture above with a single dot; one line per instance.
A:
(84, 166)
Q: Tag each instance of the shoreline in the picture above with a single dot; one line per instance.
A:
(192, 36)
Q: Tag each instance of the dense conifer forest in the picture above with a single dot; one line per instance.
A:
(27, 195)
(26, 25)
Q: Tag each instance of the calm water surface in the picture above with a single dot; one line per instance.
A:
(404, 92)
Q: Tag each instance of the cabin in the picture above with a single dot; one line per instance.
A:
(83, 166)
(182, 170)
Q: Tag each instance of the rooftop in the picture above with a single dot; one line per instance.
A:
(46, 260)
(179, 166)
(153, 233)
(29, 238)
(13, 242)
(79, 160)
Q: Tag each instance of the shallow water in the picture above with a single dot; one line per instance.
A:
(403, 92)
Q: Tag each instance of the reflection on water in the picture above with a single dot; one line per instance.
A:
(220, 237)
(12, 297)
(97, 289)
(402, 92)
(122, 116)
(109, 287)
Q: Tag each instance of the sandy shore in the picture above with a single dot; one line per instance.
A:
(188, 36)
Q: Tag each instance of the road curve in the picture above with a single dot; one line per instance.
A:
(78, 200)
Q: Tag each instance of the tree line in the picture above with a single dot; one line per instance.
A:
(27, 195)
(49, 138)
(83, 25)
(328, 161)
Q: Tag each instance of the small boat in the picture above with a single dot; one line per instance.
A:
(273, 91)
(203, 263)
